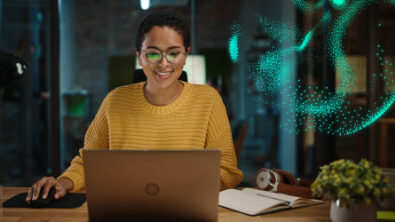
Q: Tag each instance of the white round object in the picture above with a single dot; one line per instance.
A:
(263, 179)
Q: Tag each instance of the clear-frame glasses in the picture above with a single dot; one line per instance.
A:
(173, 56)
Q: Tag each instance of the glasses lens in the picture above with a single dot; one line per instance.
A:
(175, 57)
(153, 56)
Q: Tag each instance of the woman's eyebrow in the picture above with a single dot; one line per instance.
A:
(174, 47)
(171, 47)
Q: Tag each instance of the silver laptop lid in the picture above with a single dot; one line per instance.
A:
(154, 185)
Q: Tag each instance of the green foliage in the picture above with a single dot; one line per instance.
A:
(350, 182)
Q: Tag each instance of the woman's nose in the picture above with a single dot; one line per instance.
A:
(163, 61)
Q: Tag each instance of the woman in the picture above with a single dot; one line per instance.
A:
(162, 112)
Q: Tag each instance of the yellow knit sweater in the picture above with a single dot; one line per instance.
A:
(197, 119)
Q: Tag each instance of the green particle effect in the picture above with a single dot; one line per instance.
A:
(234, 48)
(306, 6)
(234, 43)
(268, 71)
(305, 41)
(316, 107)
(338, 4)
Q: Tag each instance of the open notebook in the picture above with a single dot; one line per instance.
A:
(253, 201)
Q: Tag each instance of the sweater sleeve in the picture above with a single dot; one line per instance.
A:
(96, 137)
(219, 136)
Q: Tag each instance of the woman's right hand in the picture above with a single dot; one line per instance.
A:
(45, 185)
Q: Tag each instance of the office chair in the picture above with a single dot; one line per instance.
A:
(139, 76)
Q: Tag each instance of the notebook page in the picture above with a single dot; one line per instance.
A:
(294, 201)
(280, 196)
(248, 203)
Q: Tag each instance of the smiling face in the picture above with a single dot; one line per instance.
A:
(166, 40)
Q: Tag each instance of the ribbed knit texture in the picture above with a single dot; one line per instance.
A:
(126, 120)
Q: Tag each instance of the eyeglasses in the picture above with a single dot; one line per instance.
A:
(173, 57)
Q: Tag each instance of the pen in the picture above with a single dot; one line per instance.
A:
(272, 198)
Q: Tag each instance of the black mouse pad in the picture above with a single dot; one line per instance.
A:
(71, 200)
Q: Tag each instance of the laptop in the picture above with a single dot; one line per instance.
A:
(152, 185)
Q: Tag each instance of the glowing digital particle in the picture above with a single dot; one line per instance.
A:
(329, 112)
(234, 48)
(338, 4)
(305, 41)
(307, 6)
(234, 42)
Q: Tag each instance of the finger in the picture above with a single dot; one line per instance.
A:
(46, 188)
(37, 189)
(60, 191)
(29, 195)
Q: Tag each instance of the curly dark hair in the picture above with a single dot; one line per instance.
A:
(163, 18)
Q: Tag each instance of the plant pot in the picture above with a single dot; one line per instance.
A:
(354, 212)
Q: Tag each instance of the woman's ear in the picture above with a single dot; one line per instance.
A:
(138, 57)
(188, 51)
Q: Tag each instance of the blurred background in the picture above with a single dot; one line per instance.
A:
(78, 51)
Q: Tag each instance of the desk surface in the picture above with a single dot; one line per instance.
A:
(309, 214)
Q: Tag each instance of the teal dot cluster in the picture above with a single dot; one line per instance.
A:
(316, 107)
(233, 44)
(307, 6)
(339, 4)
(268, 71)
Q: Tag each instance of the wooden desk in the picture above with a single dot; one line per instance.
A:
(308, 214)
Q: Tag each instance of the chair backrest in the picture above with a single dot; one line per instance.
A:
(139, 76)
(239, 142)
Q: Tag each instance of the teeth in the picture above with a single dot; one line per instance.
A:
(163, 73)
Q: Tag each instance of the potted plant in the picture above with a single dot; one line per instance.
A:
(353, 189)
